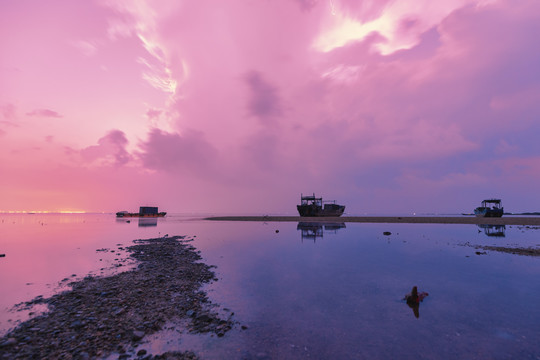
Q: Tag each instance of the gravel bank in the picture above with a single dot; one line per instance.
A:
(110, 316)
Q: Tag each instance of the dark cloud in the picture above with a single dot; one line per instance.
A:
(173, 152)
(264, 100)
(113, 145)
(44, 113)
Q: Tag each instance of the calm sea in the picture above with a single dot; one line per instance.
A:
(308, 290)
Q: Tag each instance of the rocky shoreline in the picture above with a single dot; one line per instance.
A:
(108, 316)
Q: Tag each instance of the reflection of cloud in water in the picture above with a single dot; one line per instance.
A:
(493, 230)
(314, 230)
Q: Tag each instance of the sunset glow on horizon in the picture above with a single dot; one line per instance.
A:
(240, 106)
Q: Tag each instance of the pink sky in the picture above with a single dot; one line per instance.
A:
(239, 106)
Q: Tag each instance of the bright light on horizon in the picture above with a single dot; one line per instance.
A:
(43, 212)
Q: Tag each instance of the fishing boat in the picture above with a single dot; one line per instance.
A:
(144, 211)
(490, 208)
(313, 206)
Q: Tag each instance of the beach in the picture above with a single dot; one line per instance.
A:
(508, 220)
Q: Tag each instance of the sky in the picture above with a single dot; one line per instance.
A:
(241, 106)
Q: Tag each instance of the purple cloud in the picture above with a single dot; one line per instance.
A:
(264, 101)
(44, 113)
(173, 152)
(306, 5)
(111, 146)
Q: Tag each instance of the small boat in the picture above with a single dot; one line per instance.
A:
(144, 211)
(490, 208)
(313, 206)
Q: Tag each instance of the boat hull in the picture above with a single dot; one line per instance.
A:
(318, 211)
(487, 212)
(161, 214)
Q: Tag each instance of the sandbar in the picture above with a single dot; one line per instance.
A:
(505, 220)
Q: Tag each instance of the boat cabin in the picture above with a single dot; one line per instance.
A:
(493, 204)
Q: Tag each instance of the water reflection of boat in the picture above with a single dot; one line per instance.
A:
(148, 221)
(490, 208)
(314, 230)
(314, 206)
(493, 230)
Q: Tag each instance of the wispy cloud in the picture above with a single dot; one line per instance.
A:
(44, 113)
(9, 112)
(87, 48)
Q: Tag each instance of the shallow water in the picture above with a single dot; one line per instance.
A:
(309, 292)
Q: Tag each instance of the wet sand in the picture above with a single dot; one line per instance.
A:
(505, 220)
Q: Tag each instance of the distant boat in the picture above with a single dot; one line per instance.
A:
(144, 211)
(490, 208)
(313, 206)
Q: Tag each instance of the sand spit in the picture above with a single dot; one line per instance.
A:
(530, 251)
(507, 220)
(104, 316)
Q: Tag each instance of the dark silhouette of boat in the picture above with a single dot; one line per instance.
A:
(490, 208)
(313, 206)
(144, 211)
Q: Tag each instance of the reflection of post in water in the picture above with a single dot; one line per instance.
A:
(493, 230)
(314, 230)
(148, 221)
(413, 299)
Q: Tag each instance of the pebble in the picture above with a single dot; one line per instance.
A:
(8, 342)
(77, 324)
(137, 335)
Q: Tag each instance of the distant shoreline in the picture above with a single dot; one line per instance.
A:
(510, 220)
